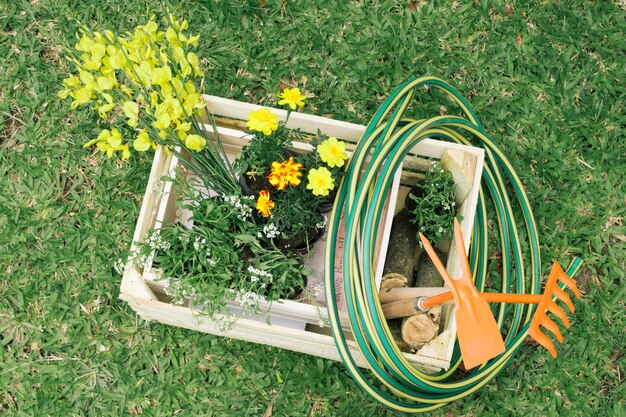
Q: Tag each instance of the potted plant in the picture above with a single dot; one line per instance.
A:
(293, 189)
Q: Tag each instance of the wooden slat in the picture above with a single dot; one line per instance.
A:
(252, 331)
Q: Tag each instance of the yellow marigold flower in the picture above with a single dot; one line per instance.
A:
(142, 143)
(195, 142)
(320, 181)
(263, 204)
(262, 120)
(292, 97)
(332, 152)
(285, 173)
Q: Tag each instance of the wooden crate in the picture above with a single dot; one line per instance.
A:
(145, 294)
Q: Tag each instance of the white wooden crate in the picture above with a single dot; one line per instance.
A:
(144, 294)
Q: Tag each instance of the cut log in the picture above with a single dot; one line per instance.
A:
(400, 260)
(418, 330)
(427, 274)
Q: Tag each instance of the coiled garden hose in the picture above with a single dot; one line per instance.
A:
(388, 138)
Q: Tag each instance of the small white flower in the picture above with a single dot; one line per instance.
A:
(119, 266)
(317, 289)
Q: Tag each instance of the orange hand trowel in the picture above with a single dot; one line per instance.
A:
(477, 331)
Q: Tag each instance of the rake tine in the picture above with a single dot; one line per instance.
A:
(547, 322)
(542, 339)
(558, 311)
(570, 283)
(562, 295)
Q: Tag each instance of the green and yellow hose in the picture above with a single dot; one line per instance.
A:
(388, 138)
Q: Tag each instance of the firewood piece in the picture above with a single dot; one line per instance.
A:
(400, 260)
(389, 295)
(418, 330)
(401, 308)
(427, 274)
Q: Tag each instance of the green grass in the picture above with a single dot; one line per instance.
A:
(547, 80)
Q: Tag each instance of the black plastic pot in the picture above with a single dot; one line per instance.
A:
(409, 203)
(301, 242)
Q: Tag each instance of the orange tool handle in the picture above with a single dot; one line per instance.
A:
(487, 296)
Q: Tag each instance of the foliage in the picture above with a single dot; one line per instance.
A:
(554, 104)
(145, 84)
(225, 255)
(273, 170)
(432, 204)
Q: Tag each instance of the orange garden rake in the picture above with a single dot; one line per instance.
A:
(477, 331)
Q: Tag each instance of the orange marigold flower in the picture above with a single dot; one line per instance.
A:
(285, 173)
(264, 204)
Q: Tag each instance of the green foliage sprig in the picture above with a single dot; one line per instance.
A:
(434, 201)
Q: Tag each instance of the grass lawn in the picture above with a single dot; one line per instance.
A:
(547, 81)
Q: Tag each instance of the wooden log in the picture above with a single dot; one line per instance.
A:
(418, 330)
(389, 295)
(400, 260)
(401, 308)
(427, 274)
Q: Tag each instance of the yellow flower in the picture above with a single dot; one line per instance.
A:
(117, 59)
(162, 117)
(263, 204)
(332, 152)
(125, 152)
(131, 110)
(142, 143)
(105, 83)
(194, 61)
(285, 173)
(292, 97)
(161, 76)
(172, 37)
(262, 120)
(104, 109)
(195, 142)
(115, 139)
(82, 95)
(320, 181)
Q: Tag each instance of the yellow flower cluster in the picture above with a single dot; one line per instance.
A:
(144, 80)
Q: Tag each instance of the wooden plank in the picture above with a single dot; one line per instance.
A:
(306, 122)
(132, 283)
(301, 341)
